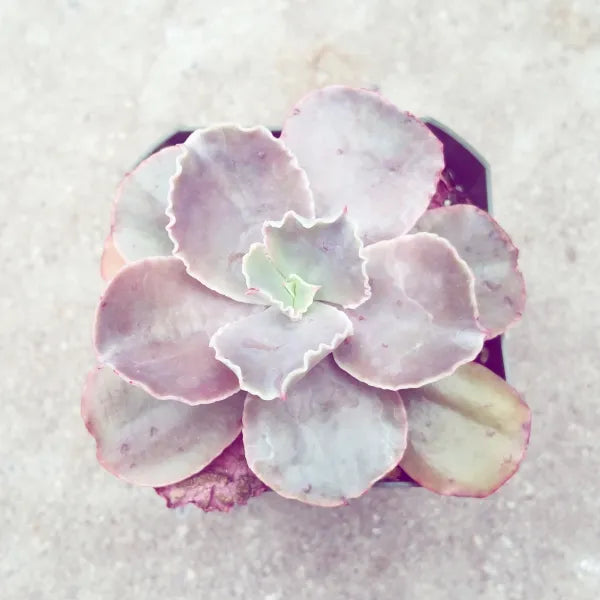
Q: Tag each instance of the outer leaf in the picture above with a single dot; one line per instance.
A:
(153, 326)
(329, 441)
(360, 151)
(491, 255)
(467, 433)
(231, 180)
(154, 442)
(326, 252)
(420, 323)
(139, 219)
(225, 482)
(269, 352)
(291, 294)
(111, 261)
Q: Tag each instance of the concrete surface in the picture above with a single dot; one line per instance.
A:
(87, 86)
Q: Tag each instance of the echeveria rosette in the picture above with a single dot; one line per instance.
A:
(297, 290)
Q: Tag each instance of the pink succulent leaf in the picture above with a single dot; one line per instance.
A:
(226, 482)
(154, 442)
(153, 326)
(269, 352)
(467, 433)
(328, 441)
(360, 151)
(491, 255)
(229, 181)
(291, 294)
(112, 261)
(420, 323)
(139, 219)
(326, 252)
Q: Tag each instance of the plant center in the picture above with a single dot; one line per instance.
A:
(301, 294)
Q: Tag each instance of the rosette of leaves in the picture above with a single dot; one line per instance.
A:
(288, 314)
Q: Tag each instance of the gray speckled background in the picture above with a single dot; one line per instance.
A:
(86, 86)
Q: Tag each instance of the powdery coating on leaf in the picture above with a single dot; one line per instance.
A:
(421, 321)
(230, 181)
(139, 220)
(292, 295)
(227, 481)
(360, 151)
(326, 252)
(491, 255)
(269, 352)
(153, 326)
(329, 441)
(111, 262)
(467, 433)
(154, 442)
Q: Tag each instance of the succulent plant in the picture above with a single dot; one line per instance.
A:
(299, 292)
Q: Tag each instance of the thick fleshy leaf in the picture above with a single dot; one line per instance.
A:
(139, 217)
(111, 262)
(154, 442)
(268, 351)
(491, 255)
(153, 326)
(329, 441)
(301, 293)
(360, 151)
(231, 180)
(467, 433)
(226, 482)
(420, 323)
(291, 294)
(325, 252)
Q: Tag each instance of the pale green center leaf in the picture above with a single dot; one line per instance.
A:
(291, 294)
(301, 293)
(325, 251)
